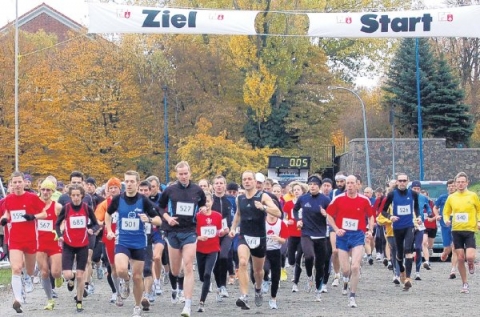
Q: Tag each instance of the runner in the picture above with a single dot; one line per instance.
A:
(313, 223)
(252, 208)
(340, 178)
(134, 211)
(209, 231)
(447, 230)
(21, 209)
(80, 223)
(347, 215)
(404, 201)
(464, 208)
(184, 200)
(49, 252)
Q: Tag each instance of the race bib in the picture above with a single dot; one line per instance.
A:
(350, 224)
(461, 217)
(45, 225)
(148, 228)
(404, 210)
(208, 231)
(185, 209)
(130, 224)
(224, 223)
(252, 242)
(78, 222)
(17, 216)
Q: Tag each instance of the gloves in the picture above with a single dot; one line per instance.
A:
(3, 222)
(29, 217)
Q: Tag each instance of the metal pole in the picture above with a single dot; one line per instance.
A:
(16, 86)
(367, 156)
(1, 187)
(392, 122)
(165, 124)
(419, 109)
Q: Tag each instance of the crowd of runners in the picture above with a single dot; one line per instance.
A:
(140, 234)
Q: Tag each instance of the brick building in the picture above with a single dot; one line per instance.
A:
(44, 17)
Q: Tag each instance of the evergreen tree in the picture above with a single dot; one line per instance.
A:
(401, 86)
(451, 117)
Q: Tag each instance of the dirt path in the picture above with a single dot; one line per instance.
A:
(435, 295)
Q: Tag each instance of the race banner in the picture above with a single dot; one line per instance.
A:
(107, 18)
(447, 22)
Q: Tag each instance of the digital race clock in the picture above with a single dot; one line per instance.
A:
(291, 162)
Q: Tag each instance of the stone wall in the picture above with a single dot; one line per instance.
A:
(439, 162)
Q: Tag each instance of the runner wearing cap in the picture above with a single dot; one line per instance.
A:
(347, 215)
(312, 220)
(340, 178)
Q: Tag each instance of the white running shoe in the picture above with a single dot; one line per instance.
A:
(224, 292)
(465, 289)
(137, 311)
(273, 304)
(125, 290)
(294, 288)
(158, 287)
(336, 281)
(318, 296)
(174, 298)
(113, 299)
(181, 296)
(352, 303)
(265, 287)
(324, 288)
(186, 311)
(28, 284)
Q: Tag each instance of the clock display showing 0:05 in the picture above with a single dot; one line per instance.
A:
(300, 162)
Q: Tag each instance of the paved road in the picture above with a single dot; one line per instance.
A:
(435, 295)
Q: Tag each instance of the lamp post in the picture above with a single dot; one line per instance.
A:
(165, 124)
(392, 122)
(367, 156)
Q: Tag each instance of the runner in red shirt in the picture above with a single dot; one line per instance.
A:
(22, 209)
(49, 253)
(209, 231)
(347, 215)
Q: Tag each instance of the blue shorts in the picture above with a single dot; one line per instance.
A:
(157, 237)
(133, 254)
(177, 240)
(447, 236)
(350, 240)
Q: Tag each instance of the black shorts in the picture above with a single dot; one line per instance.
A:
(92, 241)
(431, 232)
(463, 239)
(259, 251)
(133, 254)
(68, 257)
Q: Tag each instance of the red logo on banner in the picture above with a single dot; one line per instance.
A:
(445, 17)
(126, 15)
(449, 17)
(220, 17)
(348, 20)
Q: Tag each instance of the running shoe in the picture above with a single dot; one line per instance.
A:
(79, 308)
(370, 260)
(119, 301)
(385, 262)
(181, 296)
(151, 297)
(186, 311)
(452, 275)
(318, 296)
(224, 292)
(471, 267)
(407, 285)
(378, 257)
(273, 304)
(174, 298)
(165, 277)
(352, 303)
(137, 311)
(58, 282)
(417, 277)
(50, 305)
(210, 289)
(390, 266)
(113, 299)
(426, 266)
(145, 304)
(294, 288)
(17, 306)
(231, 280)
(336, 281)
(258, 299)
(218, 297)
(201, 308)
(324, 288)
(465, 289)
(28, 284)
(54, 294)
(345, 289)
(158, 287)
(283, 275)
(396, 280)
(100, 272)
(309, 285)
(90, 289)
(125, 290)
(265, 287)
(242, 302)
(70, 285)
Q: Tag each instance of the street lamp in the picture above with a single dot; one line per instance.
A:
(367, 157)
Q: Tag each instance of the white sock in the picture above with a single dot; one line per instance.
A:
(17, 287)
(47, 287)
(188, 302)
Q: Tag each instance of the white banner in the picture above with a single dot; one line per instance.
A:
(448, 22)
(106, 18)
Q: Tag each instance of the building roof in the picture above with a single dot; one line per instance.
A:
(47, 10)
